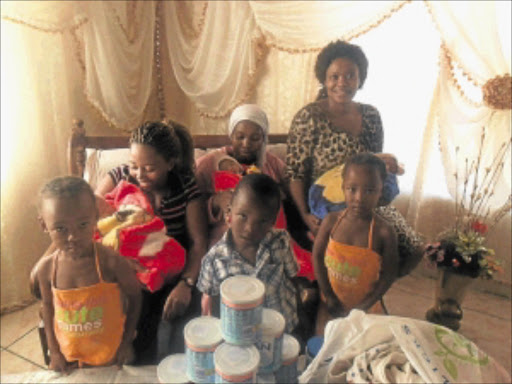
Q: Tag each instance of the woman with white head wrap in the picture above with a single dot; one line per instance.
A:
(248, 130)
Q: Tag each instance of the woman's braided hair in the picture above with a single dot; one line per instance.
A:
(171, 140)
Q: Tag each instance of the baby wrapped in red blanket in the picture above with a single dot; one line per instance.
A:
(137, 234)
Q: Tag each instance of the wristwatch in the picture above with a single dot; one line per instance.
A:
(188, 281)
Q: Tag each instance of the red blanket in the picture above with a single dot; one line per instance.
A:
(137, 234)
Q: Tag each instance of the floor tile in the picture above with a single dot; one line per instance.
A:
(14, 325)
(399, 302)
(29, 347)
(10, 363)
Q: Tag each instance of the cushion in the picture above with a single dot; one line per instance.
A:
(100, 161)
(278, 150)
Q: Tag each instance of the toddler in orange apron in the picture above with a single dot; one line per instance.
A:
(91, 296)
(355, 253)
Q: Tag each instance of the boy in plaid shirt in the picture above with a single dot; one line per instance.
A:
(251, 246)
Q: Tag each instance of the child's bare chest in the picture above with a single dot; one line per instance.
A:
(355, 234)
(71, 274)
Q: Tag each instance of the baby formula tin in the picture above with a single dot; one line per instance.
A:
(236, 363)
(173, 370)
(241, 309)
(270, 340)
(287, 372)
(202, 336)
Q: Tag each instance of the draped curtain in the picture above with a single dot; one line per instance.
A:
(118, 63)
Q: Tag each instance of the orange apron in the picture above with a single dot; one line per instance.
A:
(352, 271)
(88, 321)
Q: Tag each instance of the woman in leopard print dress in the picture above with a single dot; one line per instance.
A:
(327, 132)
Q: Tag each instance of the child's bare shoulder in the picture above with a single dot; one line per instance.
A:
(41, 275)
(331, 218)
(109, 260)
(43, 269)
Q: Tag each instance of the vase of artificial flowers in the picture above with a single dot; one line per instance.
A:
(460, 253)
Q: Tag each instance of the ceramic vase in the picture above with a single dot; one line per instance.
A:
(450, 292)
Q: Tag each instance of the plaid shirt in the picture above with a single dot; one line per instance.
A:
(275, 266)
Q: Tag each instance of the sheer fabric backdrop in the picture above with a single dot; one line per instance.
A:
(117, 63)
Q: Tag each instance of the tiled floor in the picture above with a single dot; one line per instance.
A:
(487, 322)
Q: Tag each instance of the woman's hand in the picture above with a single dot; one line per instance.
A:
(312, 222)
(177, 302)
(104, 208)
(392, 164)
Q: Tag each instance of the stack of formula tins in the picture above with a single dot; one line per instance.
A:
(247, 344)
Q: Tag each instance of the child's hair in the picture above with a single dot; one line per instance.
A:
(367, 159)
(263, 186)
(171, 140)
(65, 187)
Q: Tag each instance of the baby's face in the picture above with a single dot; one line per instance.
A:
(230, 165)
(70, 222)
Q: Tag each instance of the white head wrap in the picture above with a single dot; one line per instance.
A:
(253, 113)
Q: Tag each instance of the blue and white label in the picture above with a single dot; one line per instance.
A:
(240, 326)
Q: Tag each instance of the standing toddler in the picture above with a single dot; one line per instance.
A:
(90, 294)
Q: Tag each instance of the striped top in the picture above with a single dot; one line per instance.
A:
(181, 190)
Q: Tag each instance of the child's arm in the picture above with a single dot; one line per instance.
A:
(206, 305)
(322, 238)
(43, 277)
(389, 266)
(130, 288)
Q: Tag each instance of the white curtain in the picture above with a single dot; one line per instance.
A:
(473, 53)
(302, 26)
(118, 49)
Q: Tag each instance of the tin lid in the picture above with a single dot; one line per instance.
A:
(272, 322)
(291, 348)
(203, 332)
(173, 369)
(235, 360)
(242, 289)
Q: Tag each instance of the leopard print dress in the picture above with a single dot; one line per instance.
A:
(314, 147)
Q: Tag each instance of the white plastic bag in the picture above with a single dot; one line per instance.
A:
(375, 348)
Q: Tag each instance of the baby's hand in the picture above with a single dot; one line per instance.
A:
(125, 354)
(58, 363)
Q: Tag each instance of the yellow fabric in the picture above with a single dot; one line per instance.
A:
(89, 321)
(110, 227)
(332, 180)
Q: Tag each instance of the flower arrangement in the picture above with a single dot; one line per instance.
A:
(461, 249)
